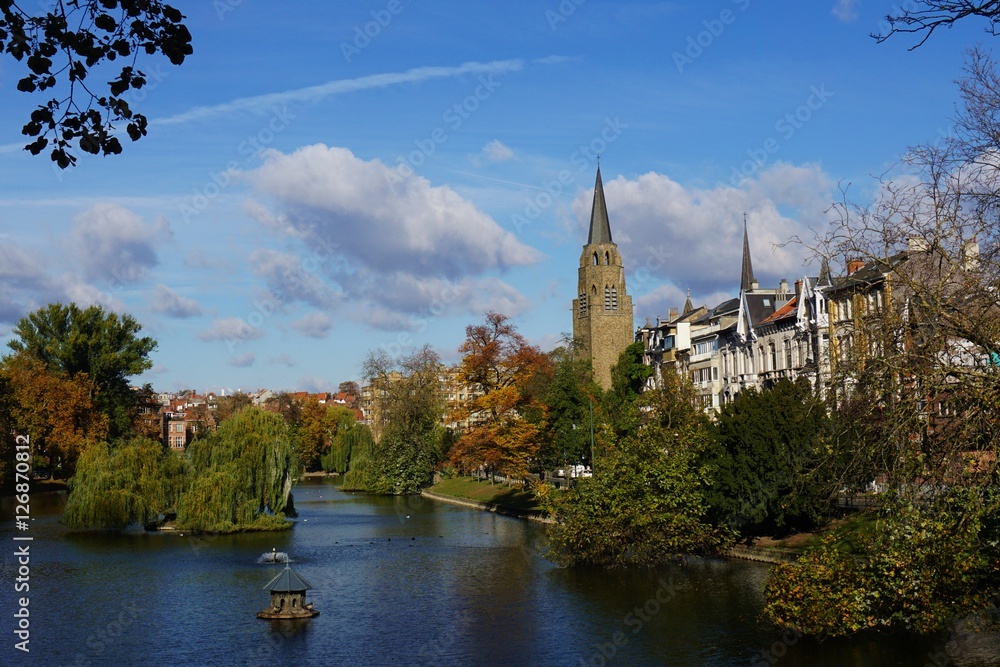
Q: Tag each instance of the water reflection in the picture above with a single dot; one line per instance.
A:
(409, 582)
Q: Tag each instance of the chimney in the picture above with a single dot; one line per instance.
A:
(798, 288)
(672, 315)
(783, 286)
(854, 265)
(754, 286)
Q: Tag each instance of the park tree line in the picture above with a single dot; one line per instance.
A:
(65, 385)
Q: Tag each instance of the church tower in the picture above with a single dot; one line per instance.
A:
(602, 312)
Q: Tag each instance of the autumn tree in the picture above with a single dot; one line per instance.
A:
(107, 347)
(61, 44)
(319, 425)
(53, 408)
(499, 364)
(230, 405)
(349, 387)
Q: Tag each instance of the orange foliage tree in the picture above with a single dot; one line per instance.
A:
(498, 364)
(54, 409)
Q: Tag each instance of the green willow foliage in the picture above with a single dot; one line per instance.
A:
(128, 482)
(243, 475)
(361, 475)
(342, 451)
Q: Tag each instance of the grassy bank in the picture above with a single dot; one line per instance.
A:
(501, 495)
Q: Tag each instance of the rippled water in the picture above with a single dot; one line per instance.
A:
(401, 582)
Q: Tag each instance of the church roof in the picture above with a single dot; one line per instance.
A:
(746, 278)
(600, 228)
(287, 581)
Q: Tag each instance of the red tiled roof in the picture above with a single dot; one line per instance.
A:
(782, 312)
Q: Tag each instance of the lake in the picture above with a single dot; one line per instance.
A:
(400, 581)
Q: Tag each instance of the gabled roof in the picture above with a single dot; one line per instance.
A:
(787, 310)
(760, 307)
(600, 228)
(287, 581)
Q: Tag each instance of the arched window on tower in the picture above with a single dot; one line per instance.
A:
(595, 259)
(614, 298)
(607, 258)
(583, 303)
(607, 298)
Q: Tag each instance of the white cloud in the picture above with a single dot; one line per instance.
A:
(232, 329)
(112, 244)
(310, 94)
(293, 278)
(392, 245)
(845, 10)
(88, 295)
(691, 237)
(495, 151)
(168, 302)
(242, 361)
(314, 384)
(283, 359)
(314, 325)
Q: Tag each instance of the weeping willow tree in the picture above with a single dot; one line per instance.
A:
(124, 483)
(347, 441)
(242, 475)
(361, 475)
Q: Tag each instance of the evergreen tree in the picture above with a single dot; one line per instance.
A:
(767, 450)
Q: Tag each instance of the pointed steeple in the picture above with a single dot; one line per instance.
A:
(600, 228)
(688, 306)
(746, 278)
(824, 273)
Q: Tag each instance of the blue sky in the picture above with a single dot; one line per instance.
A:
(322, 179)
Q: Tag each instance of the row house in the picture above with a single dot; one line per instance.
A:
(824, 330)
(751, 341)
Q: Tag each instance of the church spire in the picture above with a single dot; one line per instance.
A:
(688, 306)
(600, 228)
(746, 278)
(824, 273)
